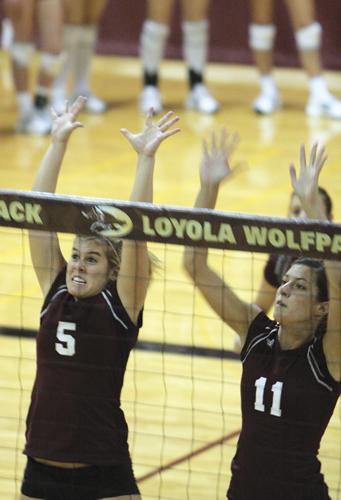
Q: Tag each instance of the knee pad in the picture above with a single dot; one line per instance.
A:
(195, 43)
(309, 37)
(152, 44)
(262, 36)
(88, 34)
(22, 53)
(71, 36)
(7, 34)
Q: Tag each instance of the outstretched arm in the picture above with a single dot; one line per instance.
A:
(267, 292)
(214, 169)
(134, 273)
(305, 186)
(265, 296)
(46, 255)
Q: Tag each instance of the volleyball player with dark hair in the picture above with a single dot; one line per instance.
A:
(292, 365)
(76, 437)
(277, 264)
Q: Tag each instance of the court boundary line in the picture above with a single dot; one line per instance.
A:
(188, 456)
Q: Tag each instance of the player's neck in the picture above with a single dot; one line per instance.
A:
(294, 337)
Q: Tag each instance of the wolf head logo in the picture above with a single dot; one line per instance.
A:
(110, 222)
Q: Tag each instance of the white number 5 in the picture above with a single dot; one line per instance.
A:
(67, 344)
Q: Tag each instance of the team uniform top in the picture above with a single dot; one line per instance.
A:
(276, 267)
(82, 351)
(288, 397)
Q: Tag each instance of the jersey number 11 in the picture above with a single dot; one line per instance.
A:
(276, 397)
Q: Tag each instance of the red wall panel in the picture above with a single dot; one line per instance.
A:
(121, 24)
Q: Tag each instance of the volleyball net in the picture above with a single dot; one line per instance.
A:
(181, 393)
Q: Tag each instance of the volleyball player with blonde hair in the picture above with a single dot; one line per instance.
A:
(76, 437)
(291, 377)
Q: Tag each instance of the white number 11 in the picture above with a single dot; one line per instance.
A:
(276, 398)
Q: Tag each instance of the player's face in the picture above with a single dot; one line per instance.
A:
(88, 269)
(296, 210)
(296, 298)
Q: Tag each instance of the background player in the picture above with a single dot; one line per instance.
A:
(154, 35)
(80, 32)
(26, 17)
(308, 33)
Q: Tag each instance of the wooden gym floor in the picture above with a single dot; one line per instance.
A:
(183, 411)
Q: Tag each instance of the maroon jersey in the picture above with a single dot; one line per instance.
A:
(82, 352)
(287, 398)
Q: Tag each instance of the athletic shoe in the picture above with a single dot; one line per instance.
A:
(150, 98)
(38, 123)
(58, 99)
(199, 99)
(22, 122)
(266, 103)
(327, 106)
(93, 104)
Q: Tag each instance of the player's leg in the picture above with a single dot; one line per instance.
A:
(7, 31)
(49, 20)
(87, 39)
(21, 50)
(153, 38)
(262, 32)
(308, 34)
(73, 9)
(195, 29)
(81, 19)
(117, 483)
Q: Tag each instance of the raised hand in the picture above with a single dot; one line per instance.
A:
(305, 184)
(215, 164)
(147, 142)
(64, 123)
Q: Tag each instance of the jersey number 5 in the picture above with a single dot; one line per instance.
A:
(276, 397)
(67, 343)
